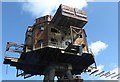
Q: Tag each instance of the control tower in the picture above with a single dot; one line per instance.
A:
(54, 46)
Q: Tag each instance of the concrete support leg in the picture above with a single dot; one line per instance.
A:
(64, 69)
(46, 78)
(49, 74)
(52, 74)
(69, 75)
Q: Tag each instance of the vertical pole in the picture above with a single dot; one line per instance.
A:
(71, 33)
(17, 73)
(80, 50)
(85, 39)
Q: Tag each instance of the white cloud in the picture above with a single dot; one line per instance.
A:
(40, 8)
(97, 47)
(45, 7)
(100, 67)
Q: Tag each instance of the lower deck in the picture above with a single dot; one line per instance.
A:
(35, 62)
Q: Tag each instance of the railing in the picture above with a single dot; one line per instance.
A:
(22, 73)
(13, 47)
(56, 44)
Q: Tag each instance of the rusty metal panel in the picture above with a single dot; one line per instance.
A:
(54, 37)
(28, 38)
(46, 34)
(78, 37)
(43, 19)
(40, 32)
(67, 16)
(39, 37)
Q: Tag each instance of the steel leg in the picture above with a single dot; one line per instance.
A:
(46, 78)
(69, 75)
(51, 74)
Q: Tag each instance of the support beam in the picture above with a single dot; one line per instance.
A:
(65, 69)
(51, 74)
(46, 77)
(69, 75)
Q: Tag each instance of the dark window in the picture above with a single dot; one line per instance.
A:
(80, 35)
(54, 30)
(62, 38)
(40, 41)
(53, 40)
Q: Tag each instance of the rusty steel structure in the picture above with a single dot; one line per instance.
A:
(54, 46)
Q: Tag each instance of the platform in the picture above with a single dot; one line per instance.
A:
(35, 62)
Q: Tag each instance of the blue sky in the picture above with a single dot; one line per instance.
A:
(102, 26)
